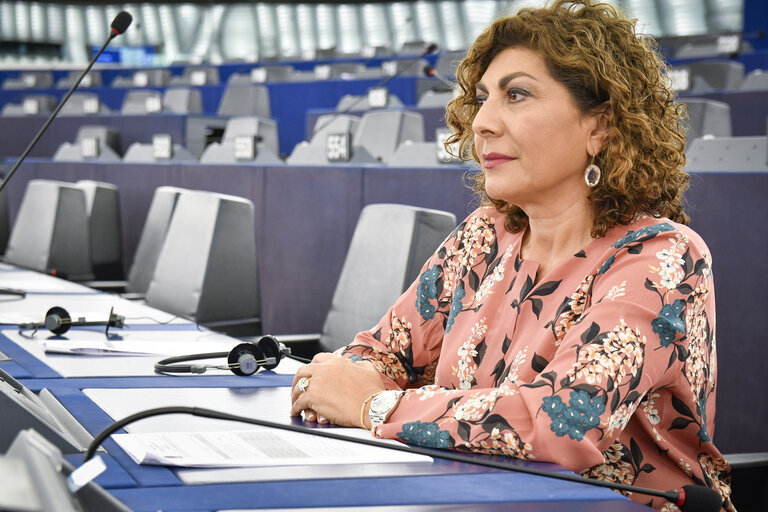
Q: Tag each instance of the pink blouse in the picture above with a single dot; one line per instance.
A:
(605, 366)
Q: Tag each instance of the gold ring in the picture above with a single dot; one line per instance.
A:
(303, 384)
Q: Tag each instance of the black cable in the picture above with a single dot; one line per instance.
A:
(695, 497)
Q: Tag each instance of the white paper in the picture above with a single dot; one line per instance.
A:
(104, 347)
(258, 447)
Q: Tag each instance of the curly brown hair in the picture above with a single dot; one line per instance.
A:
(595, 52)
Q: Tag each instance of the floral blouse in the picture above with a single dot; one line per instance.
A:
(605, 366)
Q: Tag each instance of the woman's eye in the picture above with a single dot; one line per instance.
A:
(516, 94)
(479, 100)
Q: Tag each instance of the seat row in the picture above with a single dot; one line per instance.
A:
(197, 253)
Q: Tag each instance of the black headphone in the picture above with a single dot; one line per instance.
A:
(245, 359)
(58, 321)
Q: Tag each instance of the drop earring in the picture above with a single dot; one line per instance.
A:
(592, 174)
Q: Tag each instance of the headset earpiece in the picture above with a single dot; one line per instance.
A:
(244, 359)
(57, 320)
(271, 349)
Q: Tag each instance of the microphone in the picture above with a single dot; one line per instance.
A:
(689, 498)
(432, 48)
(432, 72)
(121, 22)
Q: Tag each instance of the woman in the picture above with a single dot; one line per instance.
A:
(571, 319)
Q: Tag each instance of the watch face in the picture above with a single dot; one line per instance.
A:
(384, 402)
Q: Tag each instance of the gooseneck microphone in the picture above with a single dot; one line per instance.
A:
(119, 25)
(689, 498)
(432, 72)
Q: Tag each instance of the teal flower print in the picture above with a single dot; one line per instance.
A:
(702, 433)
(425, 434)
(643, 233)
(606, 265)
(455, 306)
(580, 415)
(427, 290)
(669, 322)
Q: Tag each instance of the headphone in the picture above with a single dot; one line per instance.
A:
(58, 321)
(245, 359)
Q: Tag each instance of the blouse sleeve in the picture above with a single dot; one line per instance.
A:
(644, 320)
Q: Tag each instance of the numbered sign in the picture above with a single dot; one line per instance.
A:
(680, 79)
(89, 148)
(162, 146)
(153, 104)
(443, 155)
(378, 97)
(258, 75)
(140, 79)
(30, 107)
(389, 68)
(29, 81)
(245, 148)
(323, 72)
(198, 77)
(91, 105)
(338, 147)
(728, 44)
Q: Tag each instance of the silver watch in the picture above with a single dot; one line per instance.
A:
(382, 404)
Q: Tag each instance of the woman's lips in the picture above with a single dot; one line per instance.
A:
(491, 160)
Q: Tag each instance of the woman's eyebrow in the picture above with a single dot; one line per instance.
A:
(503, 81)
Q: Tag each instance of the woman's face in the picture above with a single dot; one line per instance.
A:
(531, 137)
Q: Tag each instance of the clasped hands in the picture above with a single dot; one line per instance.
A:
(335, 390)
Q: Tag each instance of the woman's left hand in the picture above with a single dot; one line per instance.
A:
(336, 391)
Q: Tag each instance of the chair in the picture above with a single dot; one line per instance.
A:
(247, 139)
(93, 142)
(423, 154)
(270, 73)
(206, 268)
(434, 99)
(51, 231)
(84, 104)
(250, 100)
(32, 105)
(102, 203)
(728, 154)
(144, 78)
(92, 79)
(351, 102)
(148, 153)
(30, 80)
(197, 75)
(182, 100)
(756, 80)
(390, 244)
(382, 131)
(142, 102)
(716, 75)
(707, 118)
(749, 474)
(447, 63)
(315, 151)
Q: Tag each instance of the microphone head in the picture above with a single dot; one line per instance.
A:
(429, 70)
(700, 499)
(432, 48)
(121, 22)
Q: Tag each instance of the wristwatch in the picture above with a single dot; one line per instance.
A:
(382, 404)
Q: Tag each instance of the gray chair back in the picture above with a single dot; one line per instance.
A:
(707, 117)
(390, 244)
(182, 100)
(238, 100)
(381, 132)
(264, 131)
(135, 101)
(151, 239)
(51, 231)
(108, 145)
(102, 203)
(314, 152)
(206, 268)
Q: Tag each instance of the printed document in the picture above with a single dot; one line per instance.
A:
(258, 447)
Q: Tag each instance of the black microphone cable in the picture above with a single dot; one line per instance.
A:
(119, 25)
(432, 48)
(689, 498)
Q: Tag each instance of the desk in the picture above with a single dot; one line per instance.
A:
(95, 401)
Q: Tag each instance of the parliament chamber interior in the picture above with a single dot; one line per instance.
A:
(232, 170)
